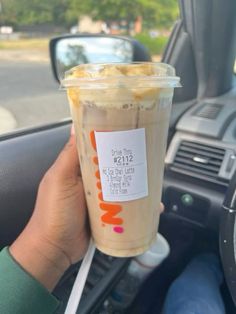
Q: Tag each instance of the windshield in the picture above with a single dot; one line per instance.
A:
(29, 96)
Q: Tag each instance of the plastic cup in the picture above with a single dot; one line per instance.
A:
(121, 118)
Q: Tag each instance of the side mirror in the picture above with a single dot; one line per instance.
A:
(71, 50)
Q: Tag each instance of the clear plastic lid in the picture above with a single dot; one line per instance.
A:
(118, 75)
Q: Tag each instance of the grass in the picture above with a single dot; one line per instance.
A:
(25, 44)
(154, 45)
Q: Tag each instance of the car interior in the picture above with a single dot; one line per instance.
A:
(199, 187)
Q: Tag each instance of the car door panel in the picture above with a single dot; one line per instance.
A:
(24, 159)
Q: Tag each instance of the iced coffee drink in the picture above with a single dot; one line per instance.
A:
(121, 118)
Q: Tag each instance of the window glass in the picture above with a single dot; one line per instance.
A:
(29, 95)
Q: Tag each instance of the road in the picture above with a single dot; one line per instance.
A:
(29, 95)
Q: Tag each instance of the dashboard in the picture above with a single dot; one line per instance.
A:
(201, 160)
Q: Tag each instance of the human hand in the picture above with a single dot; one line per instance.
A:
(162, 208)
(57, 234)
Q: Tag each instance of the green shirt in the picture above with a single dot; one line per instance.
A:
(20, 293)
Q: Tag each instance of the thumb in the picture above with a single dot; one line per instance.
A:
(162, 208)
(67, 165)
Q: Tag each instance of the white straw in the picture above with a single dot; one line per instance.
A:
(80, 280)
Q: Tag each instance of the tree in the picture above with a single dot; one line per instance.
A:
(156, 13)
(29, 12)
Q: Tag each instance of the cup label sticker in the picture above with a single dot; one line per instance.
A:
(122, 164)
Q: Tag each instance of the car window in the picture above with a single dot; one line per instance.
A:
(29, 95)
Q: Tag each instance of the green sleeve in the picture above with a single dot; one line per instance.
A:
(21, 293)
